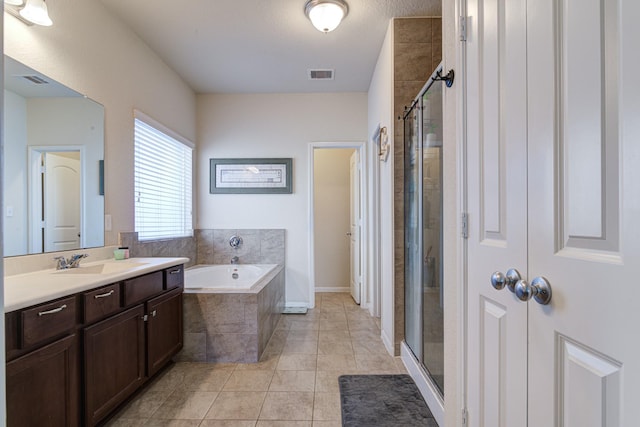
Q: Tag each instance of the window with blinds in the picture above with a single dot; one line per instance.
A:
(163, 182)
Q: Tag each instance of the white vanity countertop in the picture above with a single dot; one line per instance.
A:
(24, 290)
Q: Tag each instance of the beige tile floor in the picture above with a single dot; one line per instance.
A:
(294, 385)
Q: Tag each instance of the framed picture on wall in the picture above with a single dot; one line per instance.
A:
(247, 176)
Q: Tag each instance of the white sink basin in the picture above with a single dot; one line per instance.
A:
(106, 268)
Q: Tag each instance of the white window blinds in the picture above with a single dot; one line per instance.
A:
(163, 183)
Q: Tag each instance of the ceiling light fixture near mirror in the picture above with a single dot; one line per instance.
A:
(326, 15)
(33, 12)
(36, 11)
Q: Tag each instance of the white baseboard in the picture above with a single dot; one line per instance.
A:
(388, 343)
(332, 289)
(424, 383)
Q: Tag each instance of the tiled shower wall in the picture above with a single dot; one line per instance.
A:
(212, 246)
(258, 246)
(417, 51)
(178, 247)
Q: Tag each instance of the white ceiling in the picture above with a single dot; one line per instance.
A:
(264, 46)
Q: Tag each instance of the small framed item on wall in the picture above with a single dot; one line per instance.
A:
(250, 176)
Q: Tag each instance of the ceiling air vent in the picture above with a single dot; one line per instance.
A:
(320, 74)
(35, 79)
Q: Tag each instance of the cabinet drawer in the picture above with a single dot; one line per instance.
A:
(174, 277)
(140, 288)
(47, 321)
(101, 302)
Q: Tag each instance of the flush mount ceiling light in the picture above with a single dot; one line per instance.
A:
(326, 15)
(36, 11)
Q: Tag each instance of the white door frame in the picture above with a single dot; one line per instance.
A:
(462, 208)
(361, 147)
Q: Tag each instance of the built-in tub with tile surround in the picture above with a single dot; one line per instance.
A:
(225, 277)
(231, 325)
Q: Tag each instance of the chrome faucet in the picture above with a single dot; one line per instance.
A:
(74, 261)
(234, 260)
(63, 263)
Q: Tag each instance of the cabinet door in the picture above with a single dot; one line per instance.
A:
(164, 329)
(113, 363)
(43, 388)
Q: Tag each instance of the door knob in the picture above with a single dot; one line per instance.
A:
(539, 289)
(349, 234)
(499, 280)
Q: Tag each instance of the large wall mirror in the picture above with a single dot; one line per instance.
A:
(53, 165)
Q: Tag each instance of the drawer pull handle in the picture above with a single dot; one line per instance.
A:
(178, 271)
(108, 294)
(55, 310)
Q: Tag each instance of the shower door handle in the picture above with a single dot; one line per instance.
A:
(499, 280)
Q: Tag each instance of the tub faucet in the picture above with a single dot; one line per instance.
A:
(234, 260)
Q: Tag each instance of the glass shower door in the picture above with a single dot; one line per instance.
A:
(424, 326)
(412, 232)
(433, 315)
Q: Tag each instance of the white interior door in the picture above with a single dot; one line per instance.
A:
(354, 228)
(62, 201)
(497, 208)
(562, 169)
(584, 206)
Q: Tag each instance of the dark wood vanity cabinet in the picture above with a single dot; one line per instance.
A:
(114, 337)
(114, 362)
(43, 387)
(164, 329)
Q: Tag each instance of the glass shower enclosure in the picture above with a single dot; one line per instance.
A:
(424, 327)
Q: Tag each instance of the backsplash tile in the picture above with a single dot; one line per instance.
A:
(177, 247)
(207, 246)
(211, 246)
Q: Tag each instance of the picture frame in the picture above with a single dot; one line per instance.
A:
(251, 176)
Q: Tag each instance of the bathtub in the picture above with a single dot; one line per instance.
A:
(227, 319)
(226, 277)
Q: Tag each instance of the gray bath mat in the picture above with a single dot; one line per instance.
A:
(382, 401)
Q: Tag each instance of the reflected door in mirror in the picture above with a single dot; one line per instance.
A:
(61, 176)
